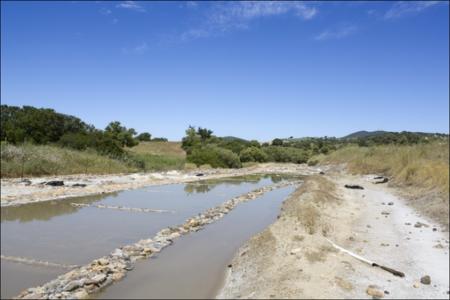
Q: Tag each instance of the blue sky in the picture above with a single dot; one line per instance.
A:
(250, 69)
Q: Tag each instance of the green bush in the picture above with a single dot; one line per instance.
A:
(144, 137)
(277, 142)
(286, 154)
(253, 154)
(214, 156)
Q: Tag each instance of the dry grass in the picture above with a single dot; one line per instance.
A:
(421, 172)
(160, 156)
(314, 194)
(423, 166)
(159, 148)
(40, 160)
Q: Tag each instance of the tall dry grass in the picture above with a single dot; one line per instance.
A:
(424, 166)
(40, 160)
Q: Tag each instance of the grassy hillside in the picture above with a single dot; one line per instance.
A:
(159, 156)
(422, 170)
(41, 160)
(159, 148)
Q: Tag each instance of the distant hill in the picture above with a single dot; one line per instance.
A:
(233, 138)
(366, 134)
(363, 134)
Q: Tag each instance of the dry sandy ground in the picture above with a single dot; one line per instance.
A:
(16, 192)
(293, 259)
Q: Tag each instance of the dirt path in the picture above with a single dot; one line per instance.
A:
(16, 191)
(293, 259)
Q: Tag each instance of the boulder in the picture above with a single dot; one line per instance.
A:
(55, 183)
(425, 280)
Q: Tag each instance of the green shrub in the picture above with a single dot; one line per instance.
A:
(144, 137)
(277, 142)
(253, 154)
(286, 154)
(214, 156)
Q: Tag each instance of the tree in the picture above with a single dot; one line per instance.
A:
(121, 134)
(277, 142)
(191, 140)
(204, 133)
(144, 137)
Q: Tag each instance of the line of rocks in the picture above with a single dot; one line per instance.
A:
(30, 261)
(118, 207)
(100, 273)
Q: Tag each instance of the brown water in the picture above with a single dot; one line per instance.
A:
(57, 232)
(195, 265)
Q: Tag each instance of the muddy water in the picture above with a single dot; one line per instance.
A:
(56, 231)
(195, 265)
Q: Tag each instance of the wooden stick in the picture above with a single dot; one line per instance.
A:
(371, 263)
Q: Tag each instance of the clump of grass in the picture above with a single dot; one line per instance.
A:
(40, 160)
(424, 166)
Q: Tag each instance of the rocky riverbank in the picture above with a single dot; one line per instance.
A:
(91, 278)
(18, 191)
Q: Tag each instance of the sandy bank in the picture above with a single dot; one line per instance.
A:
(293, 259)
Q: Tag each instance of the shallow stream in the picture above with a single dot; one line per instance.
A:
(193, 267)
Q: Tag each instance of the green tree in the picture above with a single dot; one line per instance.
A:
(204, 134)
(121, 134)
(277, 142)
(144, 137)
(191, 140)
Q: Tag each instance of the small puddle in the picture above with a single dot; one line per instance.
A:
(58, 232)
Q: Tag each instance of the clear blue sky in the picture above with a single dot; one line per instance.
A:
(254, 70)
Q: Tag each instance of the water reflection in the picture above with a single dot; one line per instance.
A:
(44, 211)
(209, 184)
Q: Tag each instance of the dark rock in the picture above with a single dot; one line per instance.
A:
(391, 203)
(386, 292)
(199, 174)
(384, 180)
(378, 177)
(425, 279)
(230, 265)
(79, 185)
(354, 186)
(420, 224)
(55, 183)
(434, 229)
(26, 181)
(322, 173)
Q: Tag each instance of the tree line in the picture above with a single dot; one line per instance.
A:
(202, 147)
(45, 126)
